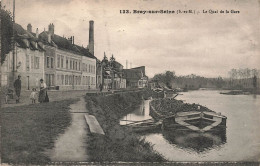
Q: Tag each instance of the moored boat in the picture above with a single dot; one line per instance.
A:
(144, 126)
(153, 126)
(176, 115)
(195, 121)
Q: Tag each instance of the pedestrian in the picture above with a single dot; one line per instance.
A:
(100, 87)
(43, 95)
(17, 88)
(33, 95)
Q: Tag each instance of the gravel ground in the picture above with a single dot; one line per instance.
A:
(53, 96)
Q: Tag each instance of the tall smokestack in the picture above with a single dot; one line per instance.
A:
(91, 37)
(126, 64)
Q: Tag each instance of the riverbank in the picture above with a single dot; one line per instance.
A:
(119, 143)
(27, 131)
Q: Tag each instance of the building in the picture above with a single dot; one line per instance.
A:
(28, 59)
(62, 64)
(135, 77)
(112, 73)
(99, 72)
(67, 65)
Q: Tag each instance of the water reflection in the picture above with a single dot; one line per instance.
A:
(140, 113)
(198, 142)
(239, 142)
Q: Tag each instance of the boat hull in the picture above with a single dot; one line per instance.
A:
(198, 122)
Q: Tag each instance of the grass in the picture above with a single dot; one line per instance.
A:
(28, 130)
(119, 143)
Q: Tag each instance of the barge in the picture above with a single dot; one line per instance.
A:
(186, 117)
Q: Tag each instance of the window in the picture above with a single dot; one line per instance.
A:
(67, 63)
(70, 64)
(58, 61)
(51, 62)
(88, 80)
(37, 63)
(27, 62)
(51, 79)
(79, 65)
(70, 80)
(66, 80)
(32, 62)
(58, 79)
(62, 79)
(48, 62)
(94, 71)
(73, 65)
(62, 58)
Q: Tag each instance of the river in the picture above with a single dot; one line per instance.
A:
(240, 142)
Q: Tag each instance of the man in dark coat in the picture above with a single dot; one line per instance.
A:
(17, 88)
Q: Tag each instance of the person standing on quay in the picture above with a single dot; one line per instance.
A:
(100, 87)
(17, 88)
(43, 96)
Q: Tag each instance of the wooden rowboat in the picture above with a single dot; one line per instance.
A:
(145, 125)
(195, 121)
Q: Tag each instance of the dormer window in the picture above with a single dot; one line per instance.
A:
(27, 43)
(36, 45)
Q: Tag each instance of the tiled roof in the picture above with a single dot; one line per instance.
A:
(64, 44)
(23, 36)
(135, 73)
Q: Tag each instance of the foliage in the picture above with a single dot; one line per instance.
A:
(6, 33)
(165, 78)
(243, 73)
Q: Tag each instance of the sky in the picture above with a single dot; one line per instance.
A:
(205, 44)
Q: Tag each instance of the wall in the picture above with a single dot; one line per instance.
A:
(30, 65)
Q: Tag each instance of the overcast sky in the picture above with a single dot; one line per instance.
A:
(203, 44)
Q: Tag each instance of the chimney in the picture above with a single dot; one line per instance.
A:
(126, 64)
(51, 29)
(70, 39)
(29, 28)
(91, 37)
(37, 33)
(49, 38)
(73, 40)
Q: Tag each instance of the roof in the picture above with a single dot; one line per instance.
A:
(135, 73)
(64, 44)
(25, 39)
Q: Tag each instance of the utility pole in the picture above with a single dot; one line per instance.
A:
(13, 48)
(0, 52)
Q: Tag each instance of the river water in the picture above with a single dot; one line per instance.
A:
(240, 141)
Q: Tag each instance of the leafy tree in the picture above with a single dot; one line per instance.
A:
(165, 78)
(255, 82)
(6, 33)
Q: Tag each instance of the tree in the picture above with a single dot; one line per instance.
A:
(169, 76)
(255, 82)
(6, 33)
(165, 78)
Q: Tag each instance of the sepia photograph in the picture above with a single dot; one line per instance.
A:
(141, 82)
